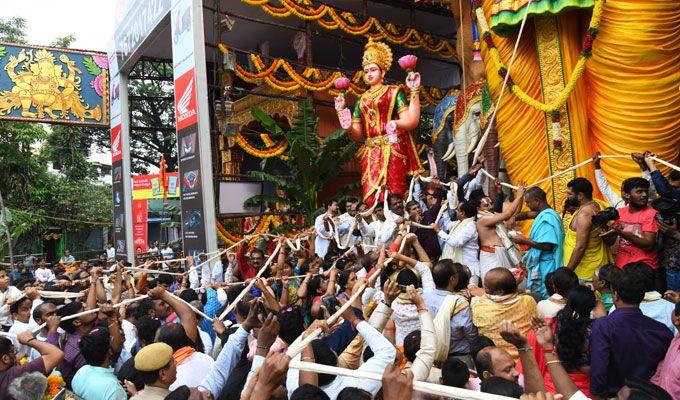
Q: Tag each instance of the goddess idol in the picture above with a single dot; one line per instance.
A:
(383, 120)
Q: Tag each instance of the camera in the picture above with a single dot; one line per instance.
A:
(602, 219)
(331, 303)
(667, 209)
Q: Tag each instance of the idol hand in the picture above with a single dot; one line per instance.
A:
(345, 118)
(339, 102)
(391, 127)
(413, 80)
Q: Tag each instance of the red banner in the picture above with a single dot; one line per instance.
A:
(116, 145)
(185, 100)
(139, 219)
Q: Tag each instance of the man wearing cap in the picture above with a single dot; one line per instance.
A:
(157, 370)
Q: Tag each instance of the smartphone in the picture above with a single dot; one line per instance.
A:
(331, 303)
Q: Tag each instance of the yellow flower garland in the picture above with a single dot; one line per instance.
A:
(561, 100)
(255, 152)
(329, 18)
(312, 79)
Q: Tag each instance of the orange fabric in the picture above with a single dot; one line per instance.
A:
(182, 354)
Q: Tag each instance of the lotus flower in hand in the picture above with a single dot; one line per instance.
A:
(408, 62)
(342, 84)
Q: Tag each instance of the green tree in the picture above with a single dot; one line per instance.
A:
(152, 117)
(13, 30)
(63, 41)
(311, 164)
(36, 195)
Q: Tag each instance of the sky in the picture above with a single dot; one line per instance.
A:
(91, 21)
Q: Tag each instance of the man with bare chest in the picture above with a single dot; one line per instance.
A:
(584, 249)
(493, 246)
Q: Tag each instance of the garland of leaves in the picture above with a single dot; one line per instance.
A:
(329, 18)
(312, 79)
(561, 100)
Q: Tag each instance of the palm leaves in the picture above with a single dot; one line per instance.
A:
(312, 162)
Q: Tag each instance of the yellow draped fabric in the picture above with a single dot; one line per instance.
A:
(628, 99)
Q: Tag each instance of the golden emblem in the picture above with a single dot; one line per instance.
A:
(42, 84)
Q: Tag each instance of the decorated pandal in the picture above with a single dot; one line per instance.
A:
(578, 76)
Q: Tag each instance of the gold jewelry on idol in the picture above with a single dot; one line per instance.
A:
(377, 53)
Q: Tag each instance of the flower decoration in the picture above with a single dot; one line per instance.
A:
(408, 62)
(101, 61)
(98, 85)
(54, 385)
(557, 132)
(576, 74)
(588, 43)
(503, 72)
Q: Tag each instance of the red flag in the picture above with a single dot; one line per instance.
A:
(163, 178)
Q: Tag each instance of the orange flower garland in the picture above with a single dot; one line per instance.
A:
(256, 152)
(329, 18)
(54, 385)
(313, 79)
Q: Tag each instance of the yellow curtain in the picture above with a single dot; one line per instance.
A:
(628, 99)
(634, 83)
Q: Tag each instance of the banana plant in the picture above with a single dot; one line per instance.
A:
(311, 162)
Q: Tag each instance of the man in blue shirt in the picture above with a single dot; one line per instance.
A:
(626, 343)
(96, 380)
(545, 241)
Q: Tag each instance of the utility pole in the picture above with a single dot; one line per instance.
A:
(9, 236)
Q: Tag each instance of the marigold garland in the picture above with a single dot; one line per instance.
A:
(54, 385)
(313, 79)
(261, 227)
(329, 18)
(561, 100)
(271, 150)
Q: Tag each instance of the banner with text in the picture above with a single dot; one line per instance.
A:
(118, 188)
(140, 215)
(151, 187)
(186, 118)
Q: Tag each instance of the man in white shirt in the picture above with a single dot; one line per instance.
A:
(346, 220)
(153, 248)
(8, 294)
(206, 271)
(166, 252)
(394, 218)
(43, 274)
(461, 243)
(383, 355)
(324, 234)
(110, 252)
(22, 310)
(370, 231)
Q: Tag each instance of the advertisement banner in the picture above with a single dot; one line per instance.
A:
(149, 186)
(140, 227)
(120, 233)
(195, 174)
(64, 86)
(135, 22)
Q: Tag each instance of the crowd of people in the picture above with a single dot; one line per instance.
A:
(438, 295)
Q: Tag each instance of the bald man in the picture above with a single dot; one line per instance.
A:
(494, 361)
(502, 302)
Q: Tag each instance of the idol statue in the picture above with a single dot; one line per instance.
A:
(383, 119)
